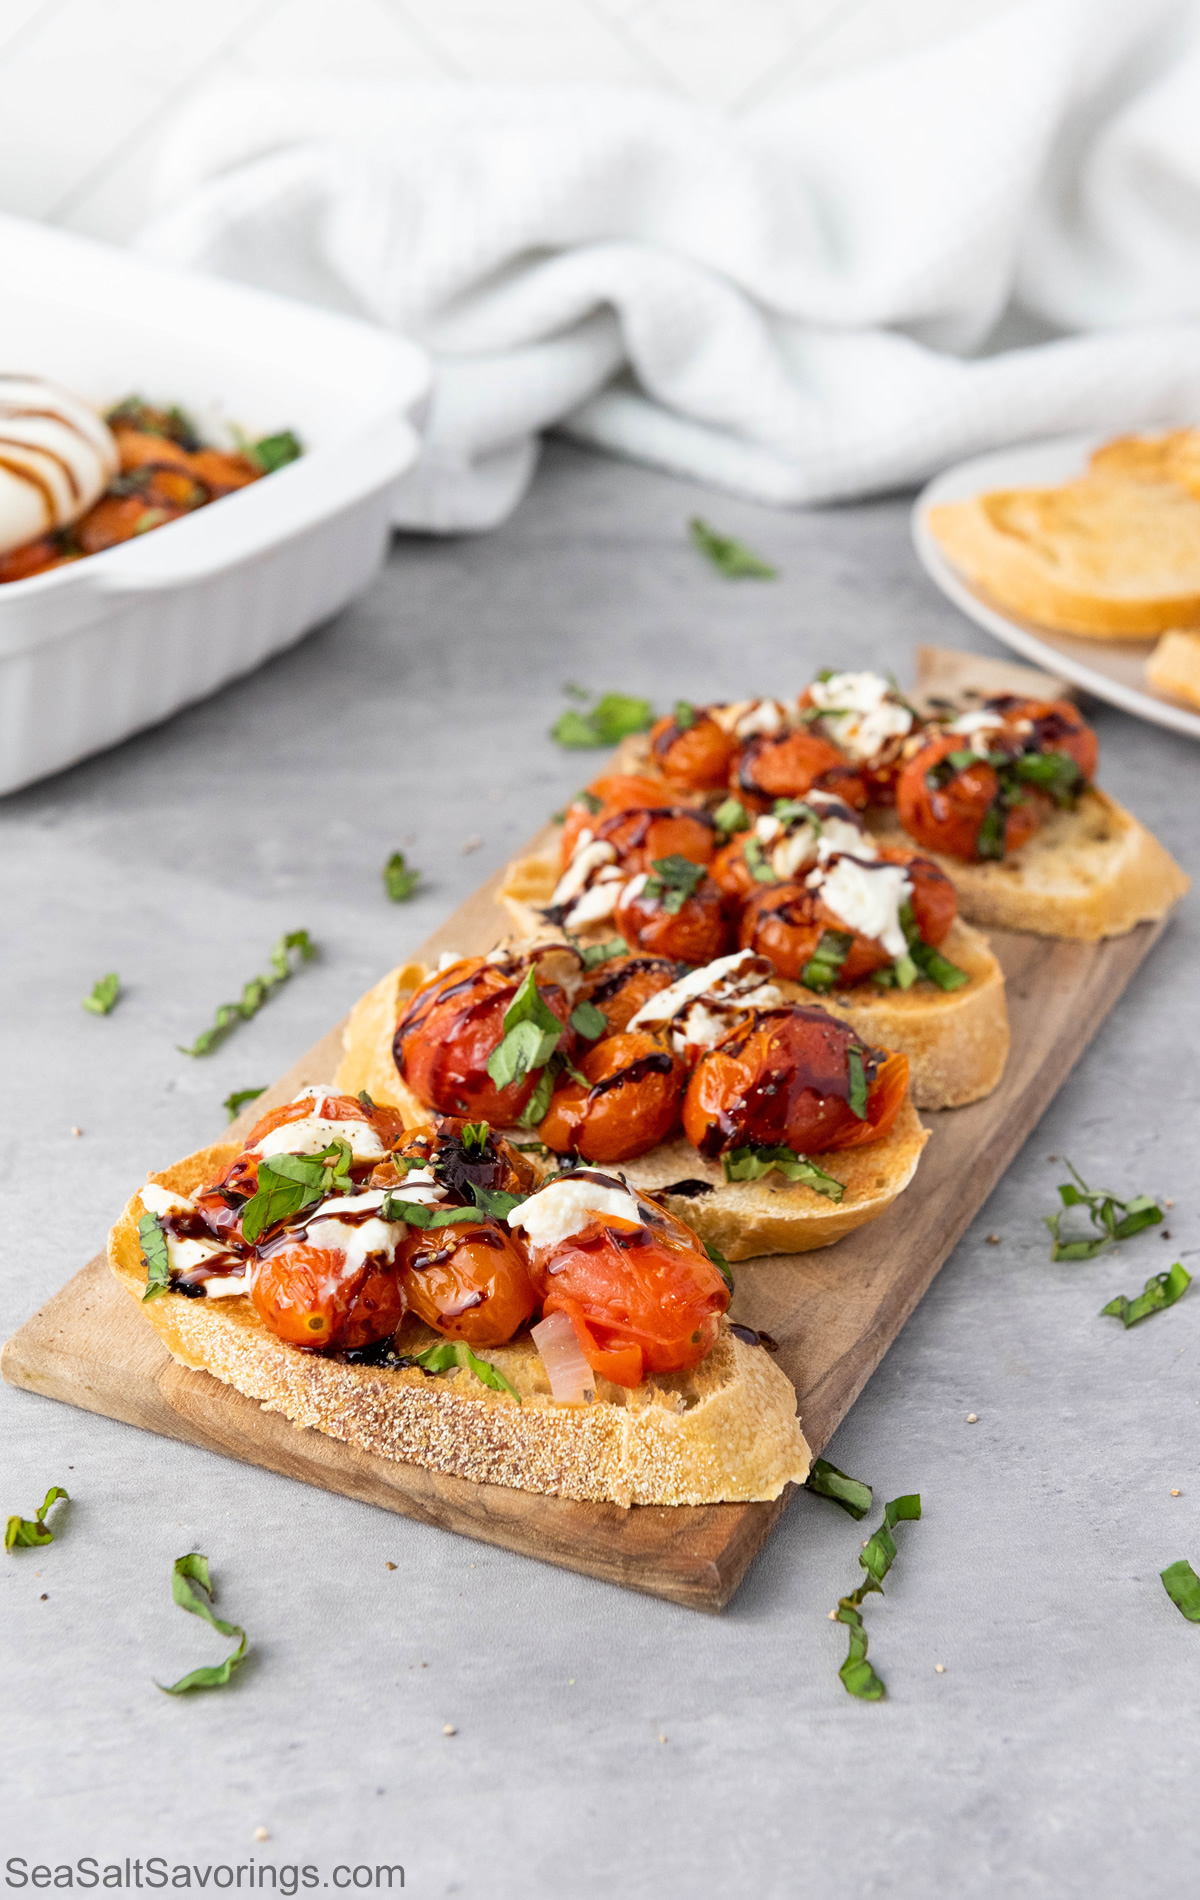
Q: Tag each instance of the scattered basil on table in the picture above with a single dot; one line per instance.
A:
(30, 1533)
(255, 993)
(191, 1587)
(730, 557)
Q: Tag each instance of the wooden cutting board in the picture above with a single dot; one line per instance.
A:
(833, 1313)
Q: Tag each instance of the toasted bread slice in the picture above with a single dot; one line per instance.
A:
(725, 1432)
(1112, 555)
(956, 1041)
(743, 1218)
(1174, 666)
(1088, 873)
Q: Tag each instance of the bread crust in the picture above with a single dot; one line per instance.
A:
(956, 1041)
(726, 1432)
(1046, 554)
(1088, 873)
(1174, 666)
(742, 1218)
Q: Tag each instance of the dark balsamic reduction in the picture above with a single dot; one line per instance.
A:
(656, 1062)
(750, 1336)
(612, 984)
(688, 1190)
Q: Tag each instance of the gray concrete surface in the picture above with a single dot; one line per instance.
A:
(1055, 1755)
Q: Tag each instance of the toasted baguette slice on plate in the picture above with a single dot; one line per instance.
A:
(742, 1218)
(1114, 555)
(724, 1432)
(956, 1041)
(1088, 873)
(1174, 666)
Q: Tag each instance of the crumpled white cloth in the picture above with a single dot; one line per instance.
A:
(789, 302)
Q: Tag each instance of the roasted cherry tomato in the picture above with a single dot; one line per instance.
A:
(643, 1297)
(36, 557)
(785, 922)
(1049, 725)
(695, 933)
(730, 870)
(787, 764)
(461, 1161)
(220, 1202)
(639, 836)
(629, 1104)
(784, 1077)
(614, 791)
(451, 1027)
(693, 757)
(619, 987)
(880, 772)
(944, 809)
(470, 1281)
(304, 1295)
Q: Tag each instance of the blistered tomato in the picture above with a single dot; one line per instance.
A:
(619, 987)
(629, 1103)
(695, 756)
(785, 1077)
(788, 764)
(451, 1027)
(241, 1177)
(469, 1281)
(785, 922)
(305, 1295)
(613, 792)
(696, 931)
(944, 807)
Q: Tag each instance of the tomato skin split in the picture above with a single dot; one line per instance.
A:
(629, 1116)
(302, 1294)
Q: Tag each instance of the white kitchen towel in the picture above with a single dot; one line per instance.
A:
(795, 302)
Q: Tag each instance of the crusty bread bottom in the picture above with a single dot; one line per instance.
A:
(725, 1432)
(1174, 666)
(1088, 873)
(742, 1218)
(956, 1041)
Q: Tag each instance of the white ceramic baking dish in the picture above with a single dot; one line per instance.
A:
(94, 651)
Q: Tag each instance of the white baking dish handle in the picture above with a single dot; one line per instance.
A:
(257, 519)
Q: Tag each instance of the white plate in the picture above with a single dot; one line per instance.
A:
(1113, 670)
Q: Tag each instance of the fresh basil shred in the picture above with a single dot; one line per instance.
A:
(856, 1100)
(731, 817)
(191, 1587)
(289, 1183)
(730, 557)
(825, 964)
(614, 717)
(594, 954)
(757, 862)
(588, 1021)
(418, 1214)
(1112, 1218)
(826, 1481)
(752, 1162)
(683, 716)
(255, 993)
(456, 1352)
(400, 879)
(531, 1035)
(1182, 1585)
(30, 1533)
(1161, 1290)
(153, 1243)
(103, 995)
(876, 1557)
(235, 1103)
(672, 881)
(720, 1263)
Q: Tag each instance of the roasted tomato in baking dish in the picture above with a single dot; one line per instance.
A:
(637, 1286)
(470, 1281)
(981, 792)
(691, 750)
(628, 1103)
(619, 987)
(787, 922)
(675, 911)
(788, 764)
(794, 1077)
(455, 1023)
(313, 1294)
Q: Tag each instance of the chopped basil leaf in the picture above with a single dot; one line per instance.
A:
(720, 1263)
(153, 1243)
(235, 1103)
(757, 862)
(684, 716)
(856, 1101)
(1055, 772)
(366, 1101)
(924, 958)
(589, 801)
(730, 557)
(588, 1021)
(188, 1573)
(539, 1102)
(1161, 1290)
(417, 1214)
(613, 717)
(495, 1203)
(255, 993)
(289, 1183)
(594, 954)
(753, 1161)
(1113, 1219)
(400, 880)
(104, 994)
(456, 1352)
(475, 1135)
(530, 1147)
(876, 1557)
(28, 1533)
(1182, 1585)
(731, 817)
(531, 1035)
(276, 451)
(990, 842)
(673, 881)
(576, 692)
(828, 1482)
(824, 966)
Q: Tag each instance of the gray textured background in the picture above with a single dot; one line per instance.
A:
(1056, 1755)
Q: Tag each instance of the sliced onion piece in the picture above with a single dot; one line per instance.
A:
(572, 1381)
